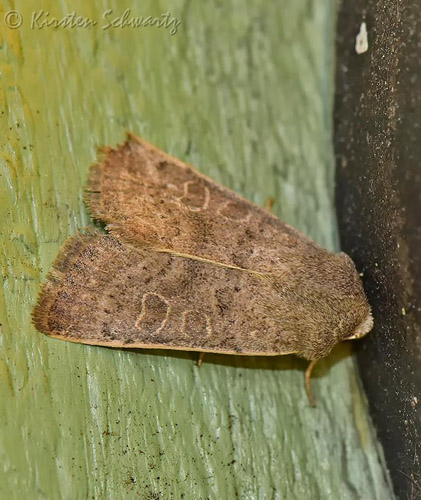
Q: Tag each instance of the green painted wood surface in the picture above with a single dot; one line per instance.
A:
(243, 90)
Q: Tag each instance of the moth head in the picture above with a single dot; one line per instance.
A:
(363, 328)
(359, 309)
(320, 302)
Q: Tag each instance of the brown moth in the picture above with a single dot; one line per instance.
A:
(190, 265)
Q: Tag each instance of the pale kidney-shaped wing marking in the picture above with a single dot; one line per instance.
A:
(200, 322)
(146, 195)
(105, 292)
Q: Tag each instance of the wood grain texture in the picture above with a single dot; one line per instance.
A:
(244, 92)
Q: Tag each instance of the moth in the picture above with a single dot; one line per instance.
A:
(188, 264)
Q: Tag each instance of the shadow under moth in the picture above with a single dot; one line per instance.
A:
(190, 265)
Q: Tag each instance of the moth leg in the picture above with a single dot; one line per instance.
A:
(308, 384)
(269, 204)
(200, 359)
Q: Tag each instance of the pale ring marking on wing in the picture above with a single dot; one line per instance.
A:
(205, 195)
(144, 312)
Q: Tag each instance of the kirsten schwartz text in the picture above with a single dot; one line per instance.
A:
(42, 19)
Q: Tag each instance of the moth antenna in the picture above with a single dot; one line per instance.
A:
(310, 396)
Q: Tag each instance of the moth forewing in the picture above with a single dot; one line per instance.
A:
(116, 294)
